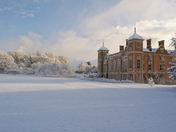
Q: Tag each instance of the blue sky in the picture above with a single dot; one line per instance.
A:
(76, 28)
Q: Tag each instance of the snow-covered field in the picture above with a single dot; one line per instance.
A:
(49, 104)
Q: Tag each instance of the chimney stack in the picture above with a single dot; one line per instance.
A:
(121, 48)
(149, 47)
(161, 42)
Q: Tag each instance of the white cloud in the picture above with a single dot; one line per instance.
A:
(78, 48)
(5, 9)
(154, 19)
(30, 43)
(30, 15)
(129, 12)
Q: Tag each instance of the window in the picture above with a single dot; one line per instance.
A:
(130, 63)
(161, 67)
(149, 75)
(110, 66)
(149, 67)
(118, 65)
(161, 51)
(162, 76)
(131, 77)
(124, 64)
(161, 58)
(138, 44)
(118, 76)
(114, 64)
(130, 45)
(138, 64)
(124, 76)
(149, 58)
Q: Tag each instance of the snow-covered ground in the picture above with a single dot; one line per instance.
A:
(50, 104)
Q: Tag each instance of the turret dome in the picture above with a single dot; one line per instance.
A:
(103, 48)
(135, 36)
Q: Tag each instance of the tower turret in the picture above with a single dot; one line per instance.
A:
(101, 55)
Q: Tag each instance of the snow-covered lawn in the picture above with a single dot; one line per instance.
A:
(49, 104)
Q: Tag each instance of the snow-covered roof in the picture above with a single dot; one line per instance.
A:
(170, 51)
(147, 50)
(103, 48)
(135, 36)
(154, 50)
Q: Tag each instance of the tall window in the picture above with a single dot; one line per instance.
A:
(130, 45)
(161, 67)
(131, 77)
(149, 58)
(110, 66)
(118, 76)
(124, 76)
(124, 64)
(118, 65)
(150, 67)
(114, 64)
(138, 64)
(130, 63)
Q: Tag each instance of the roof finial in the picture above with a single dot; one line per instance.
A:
(103, 42)
(134, 28)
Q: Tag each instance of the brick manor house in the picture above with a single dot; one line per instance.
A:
(133, 62)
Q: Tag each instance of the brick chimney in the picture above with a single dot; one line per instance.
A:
(121, 48)
(149, 47)
(161, 42)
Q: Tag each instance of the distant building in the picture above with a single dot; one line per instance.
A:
(133, 62)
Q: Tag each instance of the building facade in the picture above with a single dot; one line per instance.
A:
(133, 62)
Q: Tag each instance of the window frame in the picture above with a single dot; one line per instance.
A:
(138, 64)
(138, 44)
(149, 67)
(162, 67)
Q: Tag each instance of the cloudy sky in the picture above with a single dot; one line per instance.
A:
(77, 28)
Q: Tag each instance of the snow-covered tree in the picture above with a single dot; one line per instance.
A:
(172, 69)
(63, 59)
(18, 57)
(55, 69)
(81, 68)
(48, 64)
(5, 60)
(30, 59)
(38, 53)
(54, 57)
(90, 69)
(12, 68)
